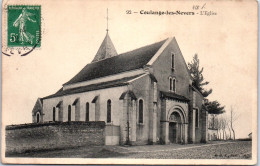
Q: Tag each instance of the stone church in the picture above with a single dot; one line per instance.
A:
(145, 96)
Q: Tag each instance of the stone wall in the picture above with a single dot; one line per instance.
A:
(112, 135)
(212, 134)
(204, 126)
(200, 135)
(104, 95)
(162, 70)
(51, 136)
(141, 88)
(197, 134)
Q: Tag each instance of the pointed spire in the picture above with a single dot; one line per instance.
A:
(107, 49)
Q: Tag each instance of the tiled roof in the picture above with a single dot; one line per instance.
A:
(153, 77)
(57, 123)
(131, 94)
(75, 101)
(173, 96)
(106, 50)
(132, 60)
(40, 100)
(59, 104)
(102, 85)
(95, 99)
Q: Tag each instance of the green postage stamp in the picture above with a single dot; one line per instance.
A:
(24, 26)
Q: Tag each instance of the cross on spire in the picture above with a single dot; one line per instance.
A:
(107, 49)
(107, 20)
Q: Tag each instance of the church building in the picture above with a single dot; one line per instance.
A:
(145, 96)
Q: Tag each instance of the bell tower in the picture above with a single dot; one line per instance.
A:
(107, 49)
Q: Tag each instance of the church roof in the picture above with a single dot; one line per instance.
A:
(102, 85)
(131, 60)
(175, 96)
(131, 94)
(106, 50)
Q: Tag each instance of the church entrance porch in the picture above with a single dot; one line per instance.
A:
(174, 122)
(175, 128)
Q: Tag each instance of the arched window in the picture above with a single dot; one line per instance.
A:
(37, 117)
(53, 114)
(173, 58)
(141, 111)
(174, 85)
(170, 84)
(69, 113)
(87, 112)
(109, 111)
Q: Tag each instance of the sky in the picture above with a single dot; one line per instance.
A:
(72, 32)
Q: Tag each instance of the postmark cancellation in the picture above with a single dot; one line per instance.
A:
(23, 29)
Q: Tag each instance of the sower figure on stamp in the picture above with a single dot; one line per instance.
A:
(21, 21)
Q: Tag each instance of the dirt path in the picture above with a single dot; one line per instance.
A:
(173, 148)
(225, 150)
(216, 150)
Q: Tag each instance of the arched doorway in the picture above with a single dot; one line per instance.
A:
(176, 127)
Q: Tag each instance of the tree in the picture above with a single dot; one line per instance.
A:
(197, 76)
(224, 123)
(221, 124)
(214, 107)
(229, 129)
(233, 117)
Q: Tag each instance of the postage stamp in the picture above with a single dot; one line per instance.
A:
(23, 29)
(24, 26)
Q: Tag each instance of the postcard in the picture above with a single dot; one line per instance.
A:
(129, 82)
